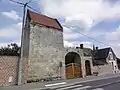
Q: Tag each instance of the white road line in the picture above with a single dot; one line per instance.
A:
(54, 87)
(80, 88)
(98, 89)
(69, 87)
(55, 84)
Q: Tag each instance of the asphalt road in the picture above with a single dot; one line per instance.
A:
(103, 84)
(107, 84)
(115, 86)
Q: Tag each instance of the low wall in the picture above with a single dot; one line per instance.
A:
(103, 69)
(8, 70)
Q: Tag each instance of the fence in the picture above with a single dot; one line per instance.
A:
(8, 70)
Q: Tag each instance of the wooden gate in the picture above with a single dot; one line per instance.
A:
(73, 70)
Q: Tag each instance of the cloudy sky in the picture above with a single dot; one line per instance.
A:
(98, 19)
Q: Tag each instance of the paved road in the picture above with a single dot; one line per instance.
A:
(104, 84)
(115, 86)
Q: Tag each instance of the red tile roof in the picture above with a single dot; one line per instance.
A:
(44, 20)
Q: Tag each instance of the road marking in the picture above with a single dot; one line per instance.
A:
(98, 89)
(55, 87)
(69, 87)
(85, 87)
(55, 84)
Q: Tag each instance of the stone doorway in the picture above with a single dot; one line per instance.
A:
(87, 67)
(73, 65)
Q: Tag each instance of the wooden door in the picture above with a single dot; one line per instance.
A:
(73, 71)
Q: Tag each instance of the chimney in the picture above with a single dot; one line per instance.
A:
(81, 46)
(96, 48)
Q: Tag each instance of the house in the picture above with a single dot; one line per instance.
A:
(106, 60)
(44, 55)
(118, 62)
(44, 51)
(42, 47)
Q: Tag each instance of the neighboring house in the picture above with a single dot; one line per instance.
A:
(106, 60)
(118, 62)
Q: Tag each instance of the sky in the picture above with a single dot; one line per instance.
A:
(98, 19)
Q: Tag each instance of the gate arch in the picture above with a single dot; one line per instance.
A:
(87, 67)
(73, 65)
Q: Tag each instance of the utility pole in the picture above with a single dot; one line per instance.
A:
(22, 40)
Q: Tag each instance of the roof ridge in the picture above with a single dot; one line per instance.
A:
(41, 14)
(104, 48)
(45, 20)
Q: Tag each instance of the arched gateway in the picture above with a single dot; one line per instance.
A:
(73, 65)
(87, 67)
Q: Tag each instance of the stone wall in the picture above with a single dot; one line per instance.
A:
(103, 69)
(8, 70)
(45, 52)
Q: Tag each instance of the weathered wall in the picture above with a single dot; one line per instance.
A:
(8, 70)
(45, 52)
(103, 69)
(82, 58)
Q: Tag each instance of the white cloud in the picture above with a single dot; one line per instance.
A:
(68, 44)
(114, 36)
(87, 44)
(11, 33)
(12, 15)
(116, 49)
(6, 43)
(87, 11)
(69, 34)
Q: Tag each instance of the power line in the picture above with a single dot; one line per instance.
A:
(33, 9)
(17, 2)
(20, 3)
(88, 36)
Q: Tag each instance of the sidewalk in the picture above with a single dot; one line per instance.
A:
(29, 86)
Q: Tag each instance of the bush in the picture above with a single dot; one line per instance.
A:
(10, 50)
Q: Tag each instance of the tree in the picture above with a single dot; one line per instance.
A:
(11, 50)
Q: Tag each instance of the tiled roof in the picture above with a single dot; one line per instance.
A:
(44, 20)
